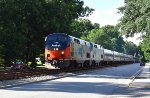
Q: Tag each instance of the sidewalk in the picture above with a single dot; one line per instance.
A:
(143, 80)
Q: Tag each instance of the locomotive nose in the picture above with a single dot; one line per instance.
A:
(56, 54)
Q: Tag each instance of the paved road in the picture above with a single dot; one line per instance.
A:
(108, 82)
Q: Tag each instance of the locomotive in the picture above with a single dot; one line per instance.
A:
(64, 51)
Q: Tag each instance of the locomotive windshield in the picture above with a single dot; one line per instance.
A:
(57, 41)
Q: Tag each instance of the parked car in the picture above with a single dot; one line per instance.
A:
(142, 63)
(18, 66)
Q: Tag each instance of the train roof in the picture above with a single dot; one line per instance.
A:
(108, 51)
(84, 41)
(116, 53)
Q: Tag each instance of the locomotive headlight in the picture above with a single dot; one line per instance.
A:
(56, 48)
(48, 52)
(62, 52)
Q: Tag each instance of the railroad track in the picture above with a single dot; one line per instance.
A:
(20, 74)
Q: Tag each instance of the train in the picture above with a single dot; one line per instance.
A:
(65, 51)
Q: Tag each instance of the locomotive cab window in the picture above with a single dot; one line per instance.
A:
(57, 41)
(95, 46)
(77, 41)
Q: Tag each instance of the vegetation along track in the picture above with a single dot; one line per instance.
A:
(20, 74)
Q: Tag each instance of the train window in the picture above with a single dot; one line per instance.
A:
(88, 55)
(78, 42)
(85, 43)
(95, 46)
(75, 40)
(101, 56)
(109, 55)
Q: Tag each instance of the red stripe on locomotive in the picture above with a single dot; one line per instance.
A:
(59, 54)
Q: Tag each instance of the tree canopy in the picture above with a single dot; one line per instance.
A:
(25, 23)
(109, 37)
(81, 27)
(145, 47)
(136, 19)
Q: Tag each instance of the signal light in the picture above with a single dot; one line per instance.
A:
(48, 54)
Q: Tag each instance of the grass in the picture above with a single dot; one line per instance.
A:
(40, 66)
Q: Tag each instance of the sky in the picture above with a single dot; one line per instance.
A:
(106, 14)
(105, 11)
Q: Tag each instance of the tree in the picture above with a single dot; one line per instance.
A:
(12, 47)
(136, 17)
(130, 48)
(99, 37)
(1, 57)
(107, 36)
(96, 25)
(145, 47)
(81, 27)
(25, 23)
(64, 12)
(119, 43)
